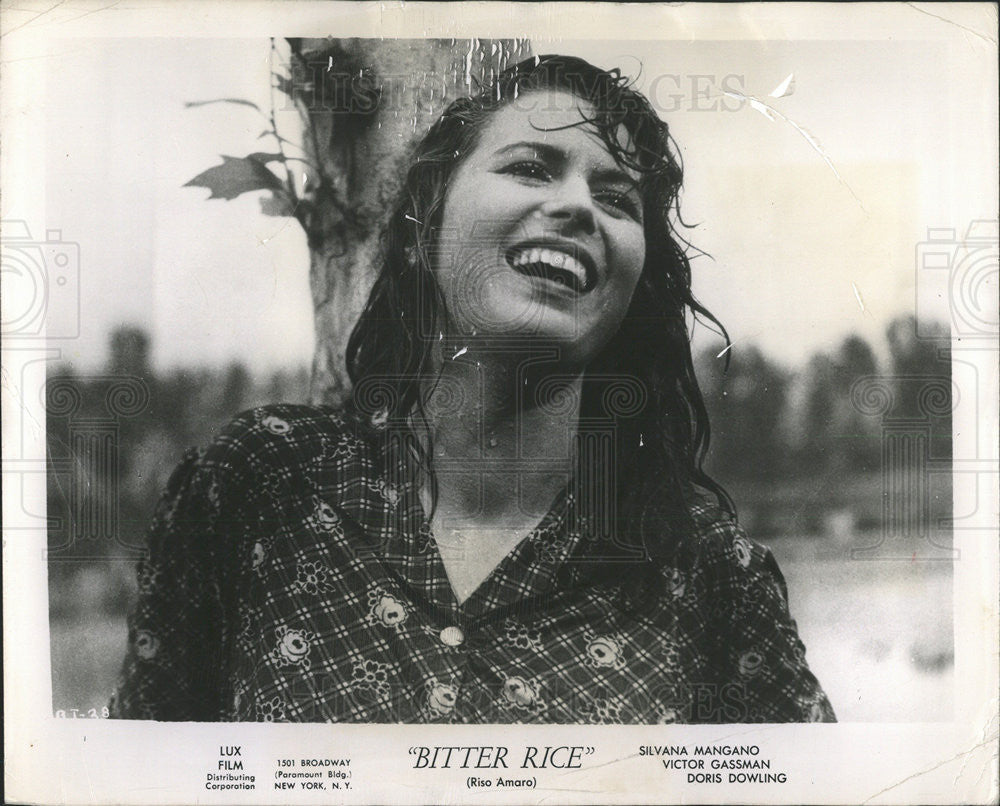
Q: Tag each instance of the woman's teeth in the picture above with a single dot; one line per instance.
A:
(553, 265)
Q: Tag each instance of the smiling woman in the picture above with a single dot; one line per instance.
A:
(560, 212)
(509, 521)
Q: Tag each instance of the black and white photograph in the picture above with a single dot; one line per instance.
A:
(456, 400)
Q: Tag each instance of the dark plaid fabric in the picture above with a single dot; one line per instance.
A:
(292, 576)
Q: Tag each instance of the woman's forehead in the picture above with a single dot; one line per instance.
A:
(553, 117)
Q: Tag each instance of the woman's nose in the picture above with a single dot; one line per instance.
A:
(571, 205)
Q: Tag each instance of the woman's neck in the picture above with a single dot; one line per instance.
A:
(503, 432)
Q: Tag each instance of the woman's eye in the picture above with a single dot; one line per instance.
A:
(528, 169)
(620, 200)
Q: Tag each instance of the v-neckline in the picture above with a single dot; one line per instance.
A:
(478, 602)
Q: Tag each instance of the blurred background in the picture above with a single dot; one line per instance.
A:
(802, 459)
(814, 172)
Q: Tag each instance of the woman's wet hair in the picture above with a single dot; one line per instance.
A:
(659, 441)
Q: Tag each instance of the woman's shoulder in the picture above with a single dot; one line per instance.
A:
(281, 434)
(721, 543)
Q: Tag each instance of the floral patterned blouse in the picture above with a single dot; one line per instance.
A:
(289, 578)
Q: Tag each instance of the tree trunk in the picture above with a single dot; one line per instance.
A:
(364, 103)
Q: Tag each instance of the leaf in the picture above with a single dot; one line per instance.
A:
(238, 101)
(235, 176)
(263, 159)
(278, 204)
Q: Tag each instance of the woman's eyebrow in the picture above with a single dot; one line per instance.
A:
(616, 175)
(544, 149)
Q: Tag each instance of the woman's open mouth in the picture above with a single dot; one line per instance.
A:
(550, 264)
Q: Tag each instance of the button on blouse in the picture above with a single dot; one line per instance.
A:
(452, 636)
(292, 575)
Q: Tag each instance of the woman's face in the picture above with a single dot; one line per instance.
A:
(542, 232)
